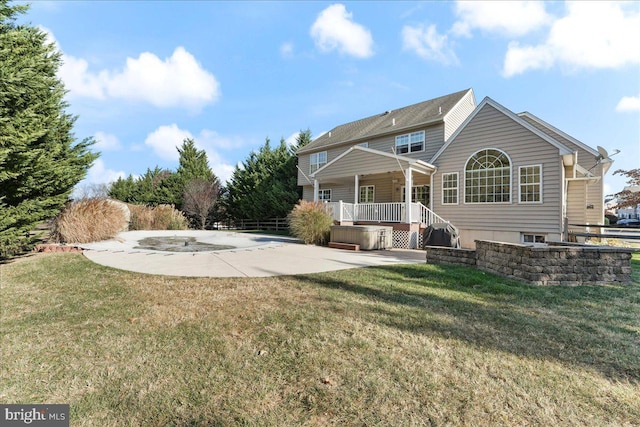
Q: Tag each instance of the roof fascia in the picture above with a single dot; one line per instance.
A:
(563, 149)
(559, 132)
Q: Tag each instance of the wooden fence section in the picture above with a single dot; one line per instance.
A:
(271, 224)
(625, 233)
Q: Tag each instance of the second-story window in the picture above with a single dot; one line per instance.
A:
(317, 161)
(410, 142)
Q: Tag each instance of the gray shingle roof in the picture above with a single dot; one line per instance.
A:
(432, 110)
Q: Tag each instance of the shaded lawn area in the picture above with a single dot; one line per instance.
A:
(402, 345)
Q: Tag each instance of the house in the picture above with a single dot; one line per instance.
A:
(493, 174)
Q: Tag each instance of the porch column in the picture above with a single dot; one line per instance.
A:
(356, 190)
(316, 190)
(408, 183)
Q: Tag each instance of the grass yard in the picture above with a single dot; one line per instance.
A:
(389, 346)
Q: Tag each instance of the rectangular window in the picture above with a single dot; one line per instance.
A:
(317, 160)
(367, 193)
(488, 186)
(533, 238)
(410, 142)
(450, 188)
(531, 184)
(324, 195)
(419, 193)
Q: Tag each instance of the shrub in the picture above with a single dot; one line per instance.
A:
(310, 222)
(161, 217)
(89, 220)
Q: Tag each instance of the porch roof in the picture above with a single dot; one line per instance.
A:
(359, 160)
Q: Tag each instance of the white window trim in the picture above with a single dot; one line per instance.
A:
(360, 193)
(457, 187)
(324, 190)
(424, 142)
(412, 188)
(520, 185)
(316, 163)
(464, 180)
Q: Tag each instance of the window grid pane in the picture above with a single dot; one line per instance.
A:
(450, 188)
(410, 143)
(488, 178)
(530, 184)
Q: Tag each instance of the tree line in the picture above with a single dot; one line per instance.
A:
(263, 186)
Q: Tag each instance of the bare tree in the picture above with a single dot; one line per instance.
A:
(199, 198)
(630, 196)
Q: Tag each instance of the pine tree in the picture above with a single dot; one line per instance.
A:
(40, 159)
(266, 184)
(193, 162)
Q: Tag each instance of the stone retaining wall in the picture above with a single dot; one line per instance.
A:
(552, 264)
(450, 256)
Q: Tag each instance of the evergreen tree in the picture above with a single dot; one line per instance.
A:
(162, 186)
(40, 159)
(193, 162)
(265, 186)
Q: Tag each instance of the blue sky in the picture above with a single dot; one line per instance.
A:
(143, 75)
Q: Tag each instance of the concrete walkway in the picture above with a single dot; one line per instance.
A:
(255, 256)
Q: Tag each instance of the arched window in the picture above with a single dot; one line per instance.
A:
(488, 177)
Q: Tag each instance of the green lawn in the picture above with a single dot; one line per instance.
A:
(404, 345)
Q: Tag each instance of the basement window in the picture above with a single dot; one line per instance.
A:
(533, 238)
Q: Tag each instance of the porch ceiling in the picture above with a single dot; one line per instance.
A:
(366, 161)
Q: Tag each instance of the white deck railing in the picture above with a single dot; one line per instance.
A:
(382, 212)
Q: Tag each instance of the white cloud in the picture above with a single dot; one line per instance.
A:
(334, 29)
(428, 44)
(106, 142)
(591, 35)
(177, 81)
(628, 104)
(165, 140)
(286, 50)
(292, 139)
(100, 174)
(519, 59)
(511, 18)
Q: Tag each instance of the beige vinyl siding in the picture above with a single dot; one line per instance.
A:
(434, 138)
(458, 114)
(576, 196)
(593, 193)
(338, 192)
(492, 129)
(303, 167)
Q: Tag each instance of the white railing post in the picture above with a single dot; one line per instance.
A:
(408, 184)
(340, 210)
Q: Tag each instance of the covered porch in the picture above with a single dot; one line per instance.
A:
(366, 185)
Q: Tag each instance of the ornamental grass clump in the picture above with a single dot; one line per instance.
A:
(89, 220)
(161, 217)
(310, 222)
